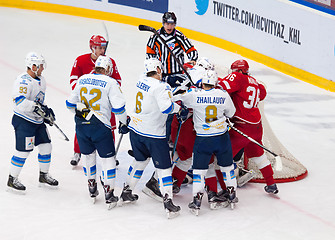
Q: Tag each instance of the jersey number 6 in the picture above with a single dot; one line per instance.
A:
(139, 96)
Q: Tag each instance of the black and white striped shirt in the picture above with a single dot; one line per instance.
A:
(178, 43)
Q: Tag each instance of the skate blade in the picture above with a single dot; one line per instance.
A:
(232, 205)
(121, 202)
(111, 205)
(171, 215)
(151, 194)
(215, 206)
(245, 178)
(15, 191)
(273, 195)
(47, 186)
(195, 211)
(93, 199)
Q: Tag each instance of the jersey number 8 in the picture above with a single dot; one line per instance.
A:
(211, 113)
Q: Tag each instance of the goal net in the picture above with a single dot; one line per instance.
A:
(292, 169)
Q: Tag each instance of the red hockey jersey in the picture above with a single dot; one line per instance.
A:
(84, 64)
(246, 93)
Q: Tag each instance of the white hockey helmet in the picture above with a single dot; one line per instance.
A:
(210, 77)
(36, 59)
(205, 63)
(152, 64)
(105, 63)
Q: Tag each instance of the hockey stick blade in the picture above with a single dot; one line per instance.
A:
(60, 130)
(279, 163)
(146, 28)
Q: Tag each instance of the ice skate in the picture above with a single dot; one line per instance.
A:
(172, 210)
(272, 189)
(75, 159)
(151, 189)
(175, 187)
(244, 176)
(230, 194)
(111, 200)
(189, 178)
(46, 180)
(15, 185)
(216, 202)
(194, 206)
(127, 196)
(93, 189)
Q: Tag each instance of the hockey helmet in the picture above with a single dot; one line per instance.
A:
(205, 63)
(36, 59)
(105, 63)
(240, 65)
(169, 17)
(210, 77)
(97, 40)
(152, 64)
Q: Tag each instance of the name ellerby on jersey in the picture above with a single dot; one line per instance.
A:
(143, 86)
(94, 82)
(213, 100)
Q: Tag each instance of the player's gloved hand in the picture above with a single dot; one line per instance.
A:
(45, 112)
(182, 114)
(123, 128)
(175, 80)
(81, 110)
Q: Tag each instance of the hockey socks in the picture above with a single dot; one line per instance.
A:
(179, 175)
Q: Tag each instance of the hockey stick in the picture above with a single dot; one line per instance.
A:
(60, 130)
(151, 29)
(107, 37)
(279, 163)
(176, 140)
(118, 144)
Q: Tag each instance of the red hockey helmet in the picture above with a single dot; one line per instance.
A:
(240, 65)
(97, 40)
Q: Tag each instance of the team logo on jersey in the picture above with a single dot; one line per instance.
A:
(40, 97)
(202, 6)
(30, 143)
(171, 46)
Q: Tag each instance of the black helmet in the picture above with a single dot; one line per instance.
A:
(169, 17)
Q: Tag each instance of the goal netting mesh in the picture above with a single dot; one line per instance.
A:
(292, 169)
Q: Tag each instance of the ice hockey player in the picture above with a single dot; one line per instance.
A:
(246, 93)
(211, 107)
(30, 116)
(186, 138)
(85, 64)
(179, 44)
(93, 99)
(148, 134)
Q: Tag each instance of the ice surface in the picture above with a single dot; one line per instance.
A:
(301, 115)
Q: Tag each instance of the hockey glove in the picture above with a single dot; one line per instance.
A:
(123, 128)
(45, 112)
(81, 110)
(175, 80)
(182, 114)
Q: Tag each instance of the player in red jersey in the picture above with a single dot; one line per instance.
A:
(85, 64)
(246, 92)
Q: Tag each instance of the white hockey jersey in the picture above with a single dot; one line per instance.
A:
(208, 106)
(153, 104)
(102, 95)
(26, 92)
